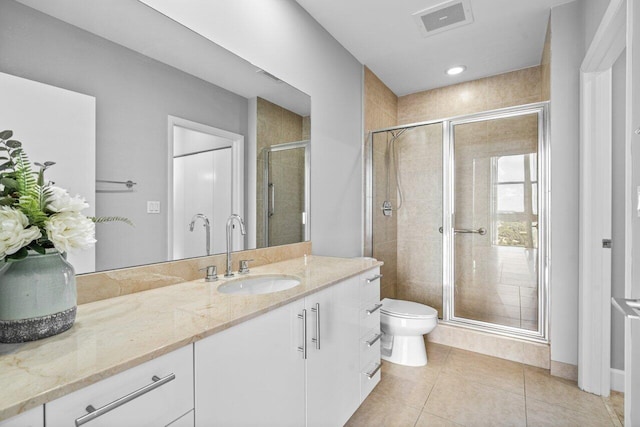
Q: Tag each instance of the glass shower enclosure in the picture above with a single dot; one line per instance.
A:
(457, 210)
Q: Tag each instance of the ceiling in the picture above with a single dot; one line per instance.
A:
(506, 35)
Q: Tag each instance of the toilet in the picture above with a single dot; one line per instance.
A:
(403, 324)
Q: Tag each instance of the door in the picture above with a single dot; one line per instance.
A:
(496, 222)
(333, 380)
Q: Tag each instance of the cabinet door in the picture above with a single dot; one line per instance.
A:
(32, 418)
(333, 380)
(253, 374)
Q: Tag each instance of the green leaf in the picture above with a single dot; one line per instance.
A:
(6, 201)
(6, 134)
(6, 165)
(12, 143)
(9, 182)
(36, 247)
(16, 153)
(21, 254)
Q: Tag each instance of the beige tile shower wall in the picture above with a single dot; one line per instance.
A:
(381, 108)
(275, 125)
(110, 284)
(419, 269)
(504, 90)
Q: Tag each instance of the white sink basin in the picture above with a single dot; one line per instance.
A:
(259, 285)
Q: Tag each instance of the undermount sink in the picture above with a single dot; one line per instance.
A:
(259, 285)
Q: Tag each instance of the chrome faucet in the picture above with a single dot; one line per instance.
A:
(207, 226)
(242, 230)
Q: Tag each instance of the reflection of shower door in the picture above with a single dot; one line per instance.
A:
(285, 194)
(495, 234)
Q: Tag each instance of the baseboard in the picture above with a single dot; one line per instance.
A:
(617, 380)
(564, 370)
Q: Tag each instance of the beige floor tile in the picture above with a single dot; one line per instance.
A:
(470, 403)
(540, 385)
(412, 392)
(544, 414)
(429, 420)
(487, 370)
(379, 411)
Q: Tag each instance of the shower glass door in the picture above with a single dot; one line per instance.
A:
(496, 232)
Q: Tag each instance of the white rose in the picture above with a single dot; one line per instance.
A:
(70, 230)
(14, 233)
(61, 201)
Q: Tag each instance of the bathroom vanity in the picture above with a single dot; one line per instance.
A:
(189, 355)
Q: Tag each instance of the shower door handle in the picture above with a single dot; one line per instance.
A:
(272, 205)
(481, 231)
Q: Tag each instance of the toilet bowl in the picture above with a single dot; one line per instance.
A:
(404, 324)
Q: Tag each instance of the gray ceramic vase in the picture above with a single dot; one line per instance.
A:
(37, 297)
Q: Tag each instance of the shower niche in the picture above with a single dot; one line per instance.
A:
(457, 210)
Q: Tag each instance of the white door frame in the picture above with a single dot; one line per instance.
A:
(594, 312)
(237, 175)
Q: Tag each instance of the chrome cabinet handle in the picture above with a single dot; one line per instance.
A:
(374, 309)
(374, 278)
(373, 340)
(316, 340)
(303, 348)
(94, 413)
(374, 372)
(481, 231)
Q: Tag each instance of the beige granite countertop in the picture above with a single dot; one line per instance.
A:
(115, 334)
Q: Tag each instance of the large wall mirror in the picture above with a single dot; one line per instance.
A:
(186, 133)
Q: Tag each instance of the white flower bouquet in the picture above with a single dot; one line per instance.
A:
(34, 214)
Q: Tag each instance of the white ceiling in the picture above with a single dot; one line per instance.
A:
(506, 35)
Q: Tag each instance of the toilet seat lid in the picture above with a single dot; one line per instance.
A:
(400, 308)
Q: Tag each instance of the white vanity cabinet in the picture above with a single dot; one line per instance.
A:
(370, 333)
(256, 373)
(156, 393)
(31, 418)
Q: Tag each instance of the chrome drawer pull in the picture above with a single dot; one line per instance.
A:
(303, 349)
(373, 340)
(374, 278)
(374, 372)
(94, 413)
(316, 340)
(374, 309)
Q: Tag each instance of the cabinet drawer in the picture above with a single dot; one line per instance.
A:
(370, 347)
(369, 378)
(370, 285)
(369, 316)
(160, 392)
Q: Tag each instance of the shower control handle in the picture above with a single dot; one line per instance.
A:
(481, 231)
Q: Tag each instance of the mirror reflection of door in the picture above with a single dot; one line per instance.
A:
(203, 192)
(285, 184)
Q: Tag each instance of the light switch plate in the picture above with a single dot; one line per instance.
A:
(153, 207)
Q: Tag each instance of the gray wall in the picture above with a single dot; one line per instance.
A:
(293, 46)
(618, 207)
(134, 95)
(567, 53)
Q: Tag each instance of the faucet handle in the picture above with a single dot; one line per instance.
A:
(244, 266)
(212, 273)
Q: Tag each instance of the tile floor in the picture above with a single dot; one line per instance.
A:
(462, 388)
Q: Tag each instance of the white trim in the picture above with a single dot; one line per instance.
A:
(237, 174)
(617, 380)
(594, 312)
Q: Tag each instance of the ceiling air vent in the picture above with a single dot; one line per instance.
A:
(443, 17)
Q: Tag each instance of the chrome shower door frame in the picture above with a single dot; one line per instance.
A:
(448, 252)
(307, 184)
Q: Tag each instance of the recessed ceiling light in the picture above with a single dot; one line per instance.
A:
(456, 70)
